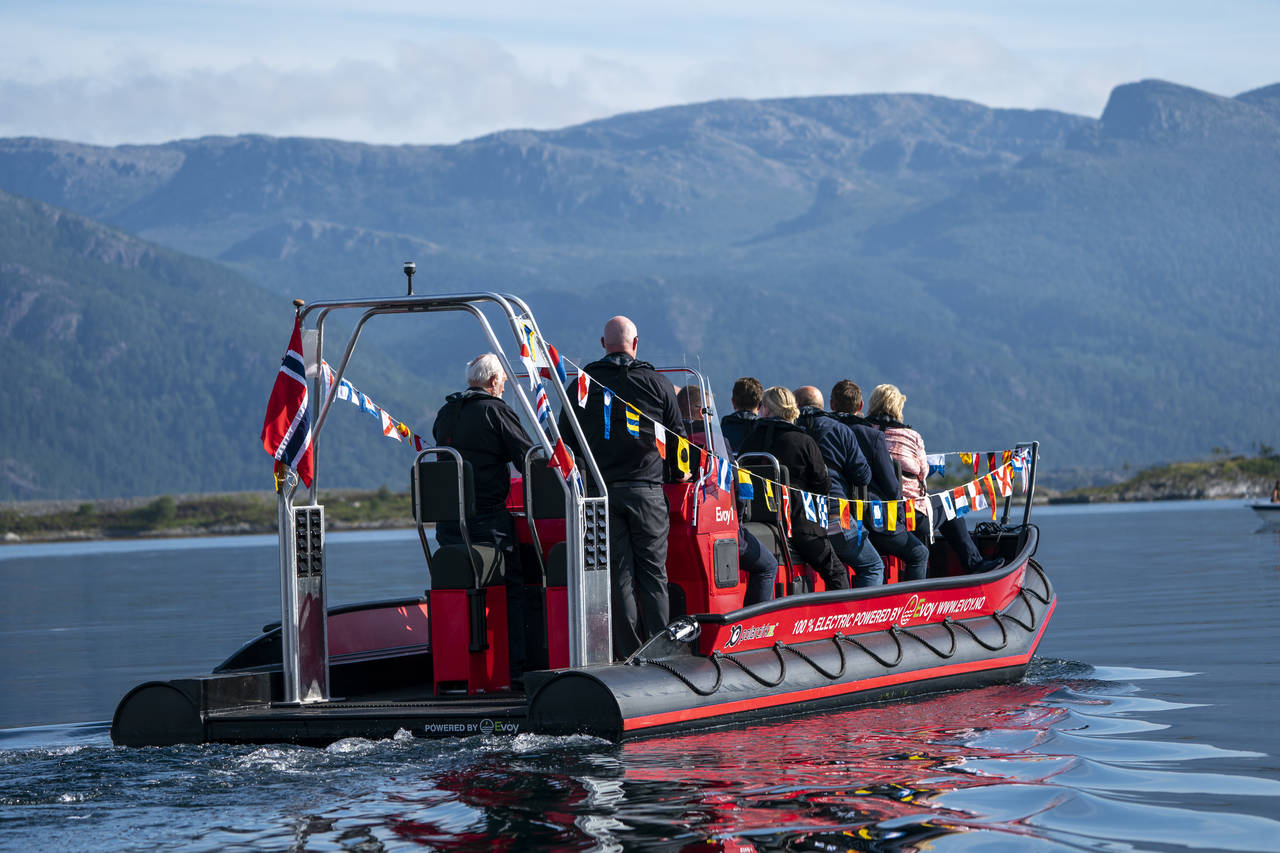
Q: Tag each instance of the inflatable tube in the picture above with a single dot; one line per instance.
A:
(654, 696)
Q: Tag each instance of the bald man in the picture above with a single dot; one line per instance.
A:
(632, 470)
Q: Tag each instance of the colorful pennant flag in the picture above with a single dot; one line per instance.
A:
(961, 501)
(608, 412)
(726, 473)
(530, 364)
(584, 383)
(746, 490)
(845, 520)
(1007, 457)
(786, 510)
(990, 488)
(542, 405)
(555, 362)
(948, 505)
(417, 443)
(858, 520)
(770, 502)
(682, 455)
(968, 459)
(286, 429)
(877, 515)
(1004, 480)
(823, 509)
(388, 425)
(891, 516)
(561, 459)
(937, 464)
(806, 500)
(348, 392)
(660, 439)
(991, 461)
(909, 513)
(633, 420)
(368, 406)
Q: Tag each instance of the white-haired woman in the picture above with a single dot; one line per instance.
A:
(884, 410)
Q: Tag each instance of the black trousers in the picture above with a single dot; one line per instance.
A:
(498, 529)
(817, 552)
(761, 568)
(638, 525)
(900, 543)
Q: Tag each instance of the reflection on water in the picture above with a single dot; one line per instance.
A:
(1071, 759)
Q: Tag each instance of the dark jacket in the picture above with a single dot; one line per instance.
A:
(796, 451)
(845, 463)
(884, 484)
(735, 427)
(486, 431)
(623, 456)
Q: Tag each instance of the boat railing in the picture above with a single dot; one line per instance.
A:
(303, 574)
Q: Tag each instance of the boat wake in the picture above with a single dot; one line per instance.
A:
(1071, 758)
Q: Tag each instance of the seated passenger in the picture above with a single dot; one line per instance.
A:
(906, 445)
(776, 433)
(846, 405)
(747, 392)
(689, 402)
(486, 432)
(848, 469)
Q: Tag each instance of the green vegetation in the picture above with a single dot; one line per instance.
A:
(245, 512)
(1094, 284)
(1219, 477)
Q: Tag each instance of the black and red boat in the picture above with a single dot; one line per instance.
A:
(435, 664)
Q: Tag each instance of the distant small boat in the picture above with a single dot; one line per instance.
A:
(1267, 511)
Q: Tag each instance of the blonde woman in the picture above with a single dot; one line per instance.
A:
(884, 410)
(775, 433)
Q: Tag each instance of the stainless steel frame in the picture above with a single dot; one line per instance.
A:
(586, 516)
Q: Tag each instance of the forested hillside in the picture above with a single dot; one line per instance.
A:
(1108, 286)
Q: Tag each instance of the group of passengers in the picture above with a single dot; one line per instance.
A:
(839, 453)
(834, 453)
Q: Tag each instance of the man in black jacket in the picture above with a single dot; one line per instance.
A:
(486, 432)
(846, 404)
(632, 471)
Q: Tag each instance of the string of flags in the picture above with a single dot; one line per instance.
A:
(981, 493)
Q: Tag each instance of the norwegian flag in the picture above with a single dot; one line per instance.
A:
(286, 429)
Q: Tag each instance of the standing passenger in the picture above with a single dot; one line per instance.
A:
(632, 471)
(486, 432)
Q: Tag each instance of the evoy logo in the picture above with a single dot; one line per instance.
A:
(918, 609)
(463, 728)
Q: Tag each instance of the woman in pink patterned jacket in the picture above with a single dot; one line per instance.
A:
(884, 410)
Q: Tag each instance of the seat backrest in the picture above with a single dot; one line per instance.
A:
(766, 500)
(436, 495)
(546, 490)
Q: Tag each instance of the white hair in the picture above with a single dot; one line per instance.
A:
(482, 369)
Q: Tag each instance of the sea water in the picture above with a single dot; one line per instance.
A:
(1147, 722)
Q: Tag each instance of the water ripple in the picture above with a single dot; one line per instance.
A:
(1067, 760)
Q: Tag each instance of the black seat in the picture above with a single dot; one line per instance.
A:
(444, 490)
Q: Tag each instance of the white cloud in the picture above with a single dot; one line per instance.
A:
(396, 71)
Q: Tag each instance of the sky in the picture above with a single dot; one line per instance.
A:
(424, 72)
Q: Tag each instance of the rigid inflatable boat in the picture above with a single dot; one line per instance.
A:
(436, 665)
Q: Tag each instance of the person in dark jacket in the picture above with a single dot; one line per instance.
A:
(776, 433)
(849, 470)
(747, 392)
(846, 404)
(486, 432)
(632, 471)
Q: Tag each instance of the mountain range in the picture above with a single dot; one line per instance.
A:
(1108, 286)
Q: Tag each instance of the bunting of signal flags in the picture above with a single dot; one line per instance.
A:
(391, 427)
